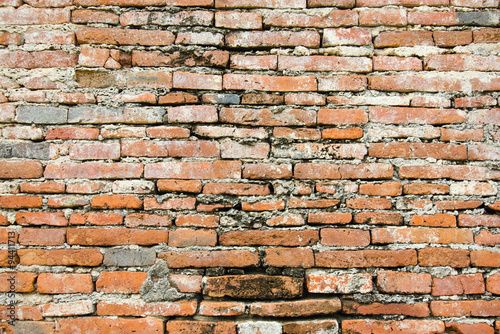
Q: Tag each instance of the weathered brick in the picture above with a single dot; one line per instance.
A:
(254, 287)
(405, 283)
(366, 258)
(406, 326)
(20, 169)
(267, 117)
(474, 308)
(346, 36)
(331, 83)
(456, 258)
(259, 39)
(420, 310)
(194, 170)
(214, 258)
(68, 309)
(93, 170)
(95, 324)
(23, 16)
(60, 257)
(187, 80)
(457, 285)
(336, 18)
(64, 283)
(200, 327)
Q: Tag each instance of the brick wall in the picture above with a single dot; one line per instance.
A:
(250, 166)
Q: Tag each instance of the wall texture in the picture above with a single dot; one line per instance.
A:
(250, 166)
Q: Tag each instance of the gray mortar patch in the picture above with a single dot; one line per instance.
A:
(157, 287)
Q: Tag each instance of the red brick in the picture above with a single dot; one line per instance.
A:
(221, 309)
(37, 59)
(262, 4)
(120, 282)
(312, 204)
(244, 62)
(402, 282)
(93, 170)
(238, 20)
(487, 35)
(20, 169)
(115, 236)
(23, 281)
(324, 63)
(440, 257)
(300, 308)
(258, 39)
(420, 310)
(117, 36)
(403, 38)
(239, 189)
(336, 18)
(452, 38)
(418, 150)
(381, 189)
(64, 283)
(345, 237)
(267, 171)
(316, 171)
(432, 82)
(389, 327)
(269, 238)
(479, 328)
(347, 36)
(425, 189)
(179, 186)
(188, 80)
(10, 38)
(415, 115)
(194, 170)
(94, 151)
(72, 133)
(493, 283)
(387, 63)
(461, 62)
(436, 220)
(428, 18)
(469, 308)
(369, 203)
(41, 218)
(93, 218)
(60, 257)
(485, 258)
(141, 219)
(167, 132)
(457, 205)
(342, 116)
(87, 187)
(116, 202)
(186, 283)
(170, 204)
(214, 258)
(331, 3)
(234, 150)
(178, 98)
(366, 258)
(22, 16)
(141, 308)
(487, 238)
(308, 134)
(323, 282)
(286, 220)
(269, 83)
(185, 237)
(261, 98)
(267, 117)
(200, 327)
(465, 135)
(329, 218)
(457, 285)
(96, 324)
(305, 99)
(141, 148)
(289, 257)
(383, 17)
(351, 133)
(93, 16)
(42, 237)
(342, 83)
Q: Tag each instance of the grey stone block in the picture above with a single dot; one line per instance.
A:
(25, 150)
(41, 115)
(129, 257)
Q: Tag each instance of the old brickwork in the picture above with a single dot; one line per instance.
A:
(250, 166)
